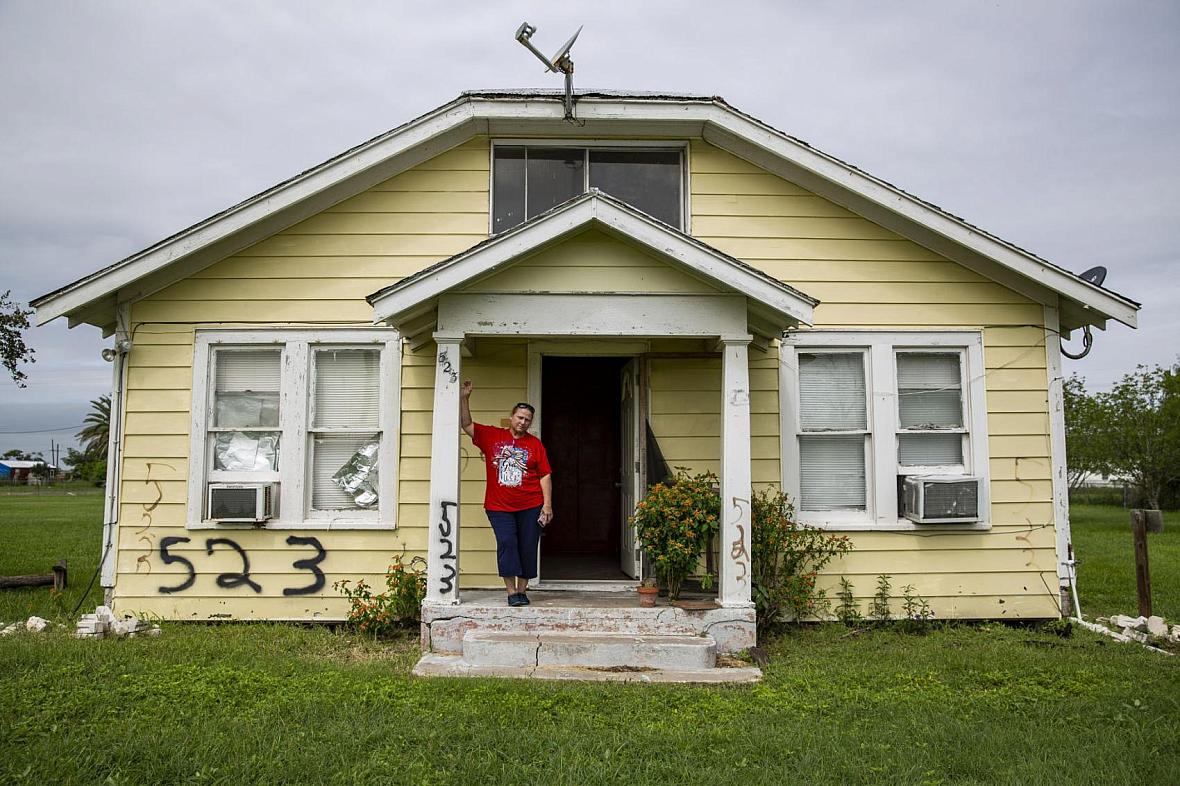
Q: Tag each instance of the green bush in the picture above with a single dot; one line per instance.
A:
(675, 523)
(787, 556)
(399, 606)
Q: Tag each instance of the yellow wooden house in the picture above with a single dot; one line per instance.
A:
(669, 280)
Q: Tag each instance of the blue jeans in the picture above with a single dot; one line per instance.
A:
(517, 533)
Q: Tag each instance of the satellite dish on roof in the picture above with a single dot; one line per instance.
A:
(560, 63)
(1095, 275)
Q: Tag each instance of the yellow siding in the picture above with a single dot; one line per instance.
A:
(866, 277)
(319, 272)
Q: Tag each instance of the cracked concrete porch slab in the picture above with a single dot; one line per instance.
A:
(555, 611)
(596, 650)
(439, 665)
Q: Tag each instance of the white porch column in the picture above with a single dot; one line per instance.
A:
(735, 579)
(442, 576)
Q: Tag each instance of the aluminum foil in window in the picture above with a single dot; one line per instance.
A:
(246, 451)
(358, 476)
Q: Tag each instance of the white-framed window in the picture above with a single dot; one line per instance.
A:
(862, 410)
(532, 176)
(312, 413)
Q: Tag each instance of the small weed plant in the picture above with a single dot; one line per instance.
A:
(676, 521)
(879, 608)
(848, 610)
(787, 556)
(399, 606)
(916, 611)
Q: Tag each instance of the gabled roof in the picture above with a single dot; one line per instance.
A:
(772, 305)
(539, 113)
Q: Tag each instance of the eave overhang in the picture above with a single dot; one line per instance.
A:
(601, 114)
(772, 306)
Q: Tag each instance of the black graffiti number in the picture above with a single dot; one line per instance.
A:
(168, 559)
(231, 580)
(311, 563)
(447, 580)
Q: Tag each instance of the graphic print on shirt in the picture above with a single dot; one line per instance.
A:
(511, 462)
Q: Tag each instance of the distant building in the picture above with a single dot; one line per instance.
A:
(14, 471)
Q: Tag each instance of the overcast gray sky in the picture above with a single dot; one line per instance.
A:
(1054, 125)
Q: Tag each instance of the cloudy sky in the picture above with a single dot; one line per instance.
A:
(1055, 125)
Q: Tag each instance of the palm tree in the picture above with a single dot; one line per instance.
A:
(96, 433)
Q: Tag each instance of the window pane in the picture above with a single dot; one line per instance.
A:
(928, 449)
(555, 174)
(330, 453)
(832, 391)
(833, 472)
(347, 388)
(929, 391)
(508, 188)
(246, 388)
(648, 180)
(245, 451)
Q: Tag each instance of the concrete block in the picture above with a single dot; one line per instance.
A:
(1123, 621)
(589, 649)
(1156, 626)
(10, 629)
(36, 624)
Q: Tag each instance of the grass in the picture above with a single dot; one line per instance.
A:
(39, 526)
(270, 703)
(1106, 573)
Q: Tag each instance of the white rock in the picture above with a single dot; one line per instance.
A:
(1156, 626)
(154, 631)
(36, 624)
(105, 614)
(11, 629)
(1176, 632)
(1138, 636)
(1123, 621)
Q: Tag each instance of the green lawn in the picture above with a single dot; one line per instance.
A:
(39, 526)
(259, 703)
(1106, 575)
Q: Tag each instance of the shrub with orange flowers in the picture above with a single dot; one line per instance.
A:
(675, 523)
(398, 607)
(786, 558)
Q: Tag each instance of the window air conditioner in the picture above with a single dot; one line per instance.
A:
(250, 502)
(930, 499)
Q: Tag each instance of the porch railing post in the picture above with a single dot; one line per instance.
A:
(735, 563)
(442, 577)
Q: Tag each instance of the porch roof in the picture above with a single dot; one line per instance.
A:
(772, 306)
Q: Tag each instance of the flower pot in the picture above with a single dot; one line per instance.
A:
(647, 596)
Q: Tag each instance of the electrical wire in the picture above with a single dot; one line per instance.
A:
(45, 430)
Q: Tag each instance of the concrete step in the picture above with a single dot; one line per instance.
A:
(588, 649)
(435, 664)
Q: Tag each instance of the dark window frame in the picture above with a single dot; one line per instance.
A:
(680, 148)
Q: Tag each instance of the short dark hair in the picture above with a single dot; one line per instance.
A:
(525, 405)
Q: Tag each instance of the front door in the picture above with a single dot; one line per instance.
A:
(581, 405)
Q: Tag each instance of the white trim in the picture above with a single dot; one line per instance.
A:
(443, 571)
(469, 115)
(294, 473)
(882, 466)
(602, 316)
(117, 424)
(1057, 446)
(736, 568)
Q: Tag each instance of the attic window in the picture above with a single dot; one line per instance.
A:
(527, 181)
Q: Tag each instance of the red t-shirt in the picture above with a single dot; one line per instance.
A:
(515, 467)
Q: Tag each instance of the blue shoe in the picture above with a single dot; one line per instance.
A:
(517, 600)
(523, 599)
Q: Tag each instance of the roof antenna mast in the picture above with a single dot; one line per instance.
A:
(559, 63)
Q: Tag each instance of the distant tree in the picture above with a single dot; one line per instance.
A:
(14, 320)
(1085, 450)
(86, 467)
(95, 435)
(1139, 429)
(16, 454)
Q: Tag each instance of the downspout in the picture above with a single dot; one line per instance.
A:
(115, 451)
(1066, 564)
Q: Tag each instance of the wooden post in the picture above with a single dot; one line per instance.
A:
(1142, 574)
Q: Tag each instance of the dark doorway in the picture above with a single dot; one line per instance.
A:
(580, 407)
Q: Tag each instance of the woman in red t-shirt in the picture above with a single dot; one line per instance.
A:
(519, 495)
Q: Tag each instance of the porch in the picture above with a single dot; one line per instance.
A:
(568, 634)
